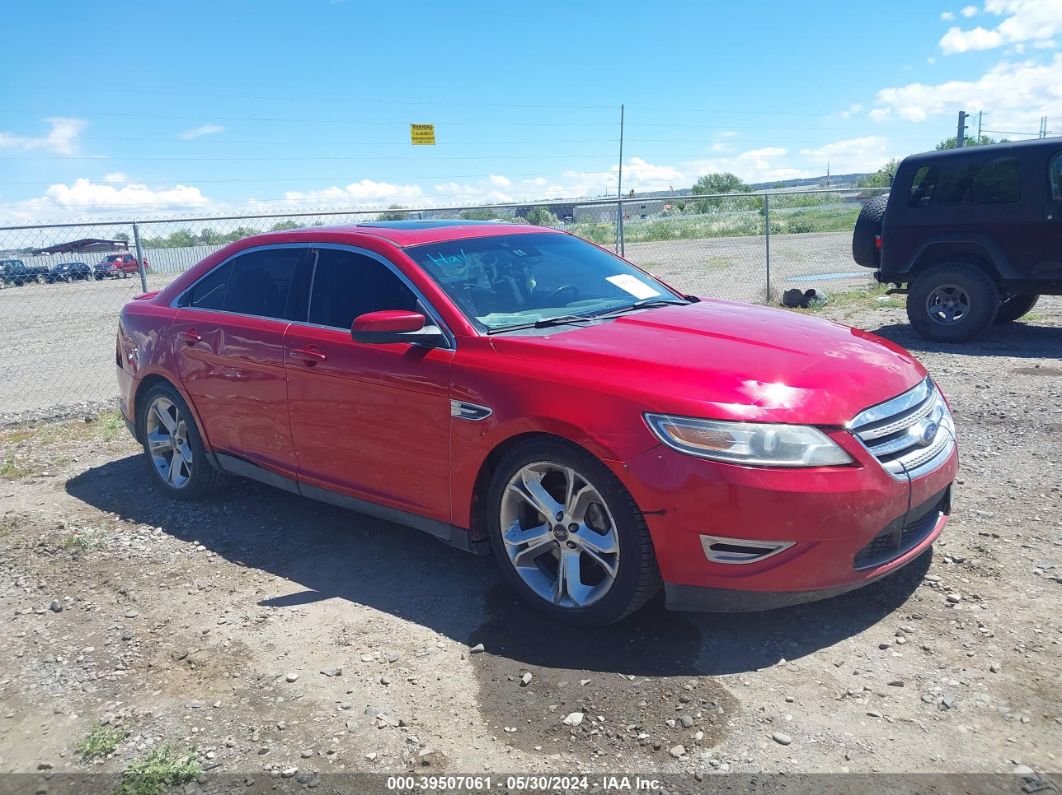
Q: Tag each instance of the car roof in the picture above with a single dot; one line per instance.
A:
(1018, 148)
(409, 233)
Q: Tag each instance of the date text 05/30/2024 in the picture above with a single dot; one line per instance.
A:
(531, 783)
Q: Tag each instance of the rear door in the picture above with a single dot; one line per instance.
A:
(1048, 257)
(229, 349)
(370, 421)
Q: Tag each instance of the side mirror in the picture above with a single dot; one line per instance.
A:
(394, 325)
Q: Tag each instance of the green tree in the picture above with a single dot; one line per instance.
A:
(282, 225)
(541, 216)
(722, 182)
(482, 214)
(973, 140)
(882, 178)
(395, 212)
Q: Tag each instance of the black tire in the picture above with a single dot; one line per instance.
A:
(204, 478)
(978, 292)
(637, 577)
(1014, 306)
(69, 278)
(867, 227)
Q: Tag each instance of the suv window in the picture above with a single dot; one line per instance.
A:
(1054, 170)
(346, 284)
(260, 283)
(966, 181)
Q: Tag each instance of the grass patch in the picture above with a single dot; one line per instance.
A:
(165, 767)
(77, 543)
(100, 741)
(11, 468)
(860, 299)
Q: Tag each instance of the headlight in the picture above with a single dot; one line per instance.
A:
(750, 443)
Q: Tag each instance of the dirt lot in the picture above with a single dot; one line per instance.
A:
(272, 638)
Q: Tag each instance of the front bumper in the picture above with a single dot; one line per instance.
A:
(847, 526)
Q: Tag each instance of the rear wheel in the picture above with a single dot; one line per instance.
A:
(42, 279)
(1014, 306)
(173, 446)
(568, 536)
(952, 302)
(69, 278)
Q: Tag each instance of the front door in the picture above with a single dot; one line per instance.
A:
(229, 349)
(370, 421)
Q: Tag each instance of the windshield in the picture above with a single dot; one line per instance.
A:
(513, 280)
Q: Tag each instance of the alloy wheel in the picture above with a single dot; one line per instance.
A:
(559, 534)
(947, 304)
(167, 442)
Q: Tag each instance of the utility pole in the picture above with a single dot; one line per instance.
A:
(1043, 126)
(960, 133)
(619, 193)
(980, 115)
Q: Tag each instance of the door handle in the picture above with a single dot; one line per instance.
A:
(191, 336)
(310, 355)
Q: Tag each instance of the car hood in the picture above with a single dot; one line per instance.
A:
(726, 360)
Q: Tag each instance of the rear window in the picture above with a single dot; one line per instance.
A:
(966, 181)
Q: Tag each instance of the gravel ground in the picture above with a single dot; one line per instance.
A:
(278, 639)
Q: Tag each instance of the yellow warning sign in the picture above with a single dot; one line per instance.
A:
(422, 134)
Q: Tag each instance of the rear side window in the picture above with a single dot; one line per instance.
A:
(966, 181)
(1054, 170)
(261, 283)
(209, 292)
(346, 284)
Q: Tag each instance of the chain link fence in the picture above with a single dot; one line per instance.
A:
(64, 285)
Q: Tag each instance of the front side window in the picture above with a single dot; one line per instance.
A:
(1054, 171)
(511, 280)
(347, 284)
(261, 284)
(953, 181)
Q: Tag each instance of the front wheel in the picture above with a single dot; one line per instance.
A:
(568, 536)
(1014, 306)
(952, 302)
(173, 446)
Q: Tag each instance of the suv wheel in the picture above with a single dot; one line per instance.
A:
(568, 536)
(173, 447)
(952, 302)
(1014, 306)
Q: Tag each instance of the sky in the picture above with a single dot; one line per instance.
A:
(132, 109)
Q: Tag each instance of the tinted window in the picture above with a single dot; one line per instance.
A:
(209, 292)
(1054, 169)
(966, 181)
(261, 281)
(346, 285)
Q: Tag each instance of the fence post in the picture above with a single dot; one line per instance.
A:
(767, 240)
(139, 257)
(620, 243)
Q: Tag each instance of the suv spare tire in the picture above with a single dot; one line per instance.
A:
(867, 227)
(952, 302)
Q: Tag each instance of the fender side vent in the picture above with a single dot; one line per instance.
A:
(737, 551)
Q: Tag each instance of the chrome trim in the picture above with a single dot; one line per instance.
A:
(770, 549)
(909, 435)
(469, 411)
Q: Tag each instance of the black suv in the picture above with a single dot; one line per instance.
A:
(18, 273)
(973, 236)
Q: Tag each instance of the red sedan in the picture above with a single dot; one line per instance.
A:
(517, 389)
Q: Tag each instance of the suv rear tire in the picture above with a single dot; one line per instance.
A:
(952, 302)
(867, 227)
(1014, 306)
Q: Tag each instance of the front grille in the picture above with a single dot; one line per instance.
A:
(911, 434)
(905, 533)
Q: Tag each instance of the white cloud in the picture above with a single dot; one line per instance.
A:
(1023, 21)
(968, 11)
(947, 16)
(853, 109)
(1016, 94)
(852, 155)
(501, 181)
(61, 138)
(199, 132)
(364, 192)
(636, 171)
(115, 176)
(755, 165)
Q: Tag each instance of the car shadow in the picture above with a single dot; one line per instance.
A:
(1017, 340)
(330, 553)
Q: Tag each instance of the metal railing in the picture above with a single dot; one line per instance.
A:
(58, 356)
